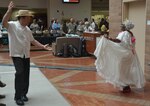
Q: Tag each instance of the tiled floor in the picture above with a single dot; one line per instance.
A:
(76, 79)
(41, 93)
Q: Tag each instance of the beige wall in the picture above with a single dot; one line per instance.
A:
(77, 11)
(25, 3)
(143, 39)
(138, 16)
(115, 13)
(147, 41)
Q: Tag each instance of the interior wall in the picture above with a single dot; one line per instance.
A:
(78, 11)
(116, 12)
(137, 14)
(115, 17)
(147, 41)
(55, 8)
(25, 3)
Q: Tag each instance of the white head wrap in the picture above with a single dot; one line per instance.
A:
(128, 24)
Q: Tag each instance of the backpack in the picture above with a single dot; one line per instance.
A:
(68, 50)
(72, 51)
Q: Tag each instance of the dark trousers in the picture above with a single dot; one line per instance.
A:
(22, 66)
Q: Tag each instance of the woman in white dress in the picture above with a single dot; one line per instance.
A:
(117, 61)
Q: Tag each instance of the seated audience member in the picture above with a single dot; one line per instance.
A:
(80, 28)
(56, 28)
(86, 25)
(51, 22)
(41, 24)
(56, 25)
(34, 26)
(93, 24)
(71, 26)
(64, 28)
(104, 26)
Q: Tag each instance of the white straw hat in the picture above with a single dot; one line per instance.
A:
(24, 13)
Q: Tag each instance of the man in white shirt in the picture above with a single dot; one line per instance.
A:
(20, 39)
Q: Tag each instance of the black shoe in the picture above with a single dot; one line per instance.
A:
(24, 98)
(19, 102)
(2, 84)
(1, 104)
(2, 96)
(126, 89)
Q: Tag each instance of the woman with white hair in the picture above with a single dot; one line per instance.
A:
(117, 61)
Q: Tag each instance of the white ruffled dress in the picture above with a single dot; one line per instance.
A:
(116, 62)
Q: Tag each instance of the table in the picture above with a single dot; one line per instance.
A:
(41, 39)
